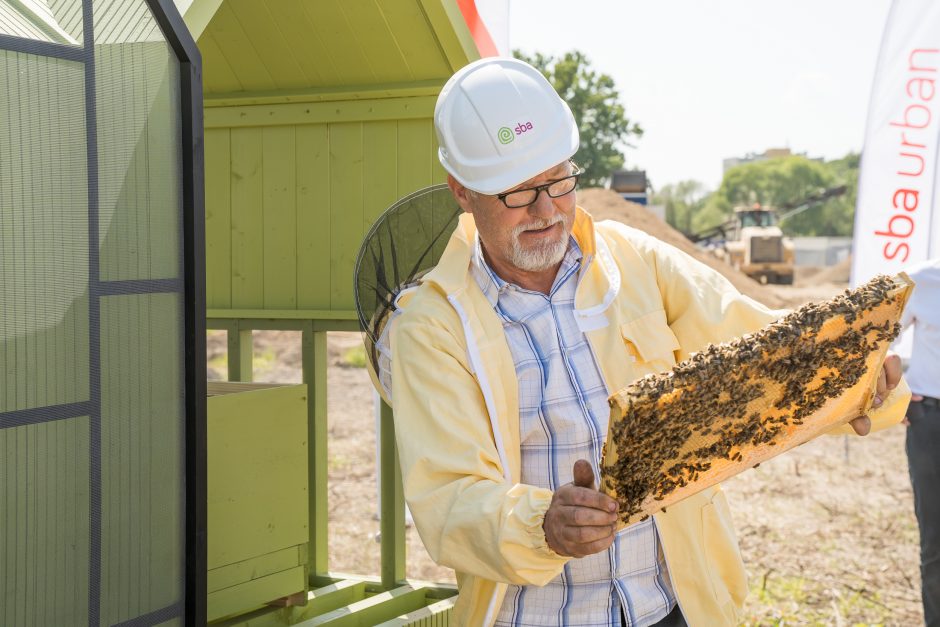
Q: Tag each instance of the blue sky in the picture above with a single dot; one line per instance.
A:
(709, 79)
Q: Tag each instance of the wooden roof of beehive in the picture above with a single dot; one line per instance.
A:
(267, 47)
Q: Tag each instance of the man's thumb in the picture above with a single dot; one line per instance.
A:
(583, 474)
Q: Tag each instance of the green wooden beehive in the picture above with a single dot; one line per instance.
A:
(318, 116)
(257, 481)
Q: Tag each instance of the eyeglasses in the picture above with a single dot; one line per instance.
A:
(555, 189)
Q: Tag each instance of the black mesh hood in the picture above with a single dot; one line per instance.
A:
(403, 245)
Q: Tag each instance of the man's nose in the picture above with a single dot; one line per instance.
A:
(543, 207)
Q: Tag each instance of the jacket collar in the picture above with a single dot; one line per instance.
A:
(452, 273)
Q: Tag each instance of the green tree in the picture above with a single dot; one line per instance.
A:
(595, 103)
(783, 182)
(682, 201)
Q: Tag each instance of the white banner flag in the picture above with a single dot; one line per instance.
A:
(897, 222)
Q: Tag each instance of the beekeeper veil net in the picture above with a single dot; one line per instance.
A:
(402, 246)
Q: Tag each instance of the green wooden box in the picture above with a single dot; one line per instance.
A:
(257, 495)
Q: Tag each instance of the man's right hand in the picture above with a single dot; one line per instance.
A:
(580, 520)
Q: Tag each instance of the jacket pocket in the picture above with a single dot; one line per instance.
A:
(649, 340)
(728, 576)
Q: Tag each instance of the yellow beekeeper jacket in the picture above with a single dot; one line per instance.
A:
(642, 305)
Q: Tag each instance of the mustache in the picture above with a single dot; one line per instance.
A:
(536, 224)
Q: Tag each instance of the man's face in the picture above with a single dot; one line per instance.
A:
(530, 239)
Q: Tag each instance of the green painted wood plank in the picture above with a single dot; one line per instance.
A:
(319, 601)
(327, 94)
(414, 172)
(438, 173)
(261, 324)
(415, 154)
(451, 32)
(238, 47)
(392, 522)
(314, 364)
(240, 354)
(261, 566)
(346, 180)
(320, 112)
(218, 218)
(372, 610)
(257, 473)
(254, 593)
(346, 55)
(274, 53)
(218, 76)
(418, 44)
(305, 46)
(280, 218)
(372, 35)
(434, 615)
(282, 314)
(313, 217)
(247, 219)
(380, 165)
(197, 14)
(335, 596)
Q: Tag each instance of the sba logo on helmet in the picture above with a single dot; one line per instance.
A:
(506, 134)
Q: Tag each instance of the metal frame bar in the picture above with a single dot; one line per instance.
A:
(94, 321)
(144, 286)
(49, 413)
(43, 48)
(194, 272)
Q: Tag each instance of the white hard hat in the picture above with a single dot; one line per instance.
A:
(499, 123)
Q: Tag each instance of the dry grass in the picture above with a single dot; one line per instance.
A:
(827, 530)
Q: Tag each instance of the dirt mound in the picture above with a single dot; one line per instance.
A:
(604, 204)
(838, 273)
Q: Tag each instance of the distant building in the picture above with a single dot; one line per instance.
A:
(821, 251)
(770, 153)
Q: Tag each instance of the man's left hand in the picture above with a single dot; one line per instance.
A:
(888, 379)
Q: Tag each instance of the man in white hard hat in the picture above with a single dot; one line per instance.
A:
(504, 358)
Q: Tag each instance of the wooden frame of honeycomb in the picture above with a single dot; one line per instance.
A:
(733, 405)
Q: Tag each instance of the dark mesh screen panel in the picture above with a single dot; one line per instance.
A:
(404, 243)
(93, 374)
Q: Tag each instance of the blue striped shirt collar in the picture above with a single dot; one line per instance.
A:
(493, 285)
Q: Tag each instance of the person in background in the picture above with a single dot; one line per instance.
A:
(923, 426)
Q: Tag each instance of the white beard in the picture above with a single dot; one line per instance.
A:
(542, 256)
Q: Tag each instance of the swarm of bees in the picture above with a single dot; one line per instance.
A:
(730, 406)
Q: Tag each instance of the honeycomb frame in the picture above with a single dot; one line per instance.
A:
(731, 406)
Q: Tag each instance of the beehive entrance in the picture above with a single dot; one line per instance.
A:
(734, 405)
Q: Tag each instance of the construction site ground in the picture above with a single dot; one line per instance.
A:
(827, 531)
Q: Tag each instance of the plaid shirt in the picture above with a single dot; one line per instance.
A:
(563, 416)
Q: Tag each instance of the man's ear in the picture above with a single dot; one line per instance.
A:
(461, 194)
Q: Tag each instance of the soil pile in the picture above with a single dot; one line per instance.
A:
(838, 273)
(604, 204)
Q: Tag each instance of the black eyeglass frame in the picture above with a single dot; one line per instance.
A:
(544, 187)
